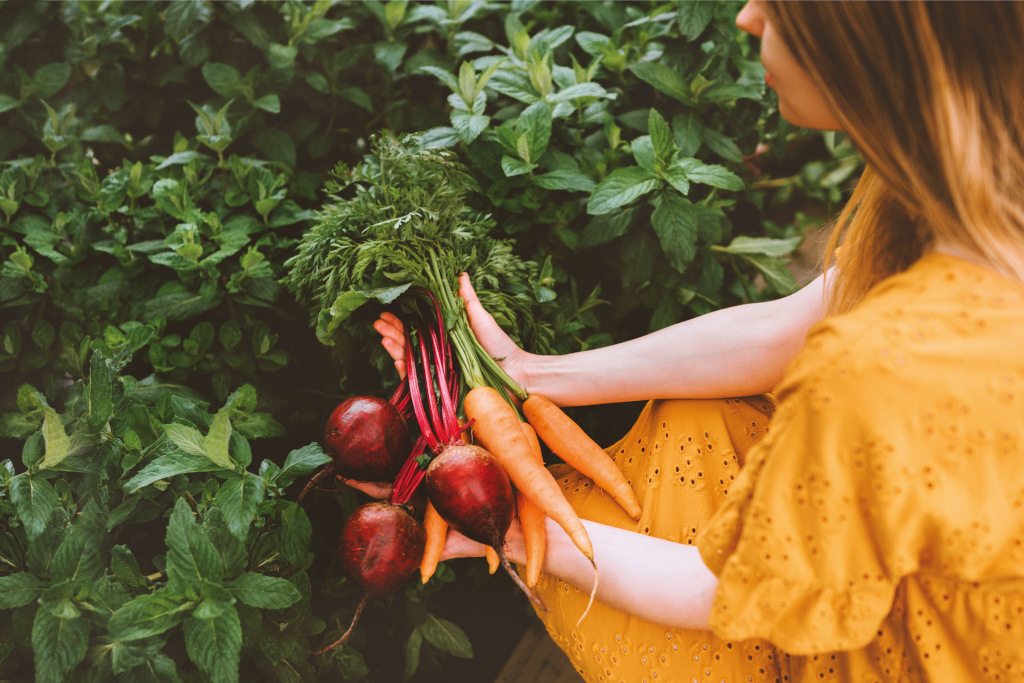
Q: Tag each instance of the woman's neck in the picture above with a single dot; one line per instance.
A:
(960, 251)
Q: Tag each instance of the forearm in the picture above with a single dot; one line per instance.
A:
(651, 578)
(738, 351)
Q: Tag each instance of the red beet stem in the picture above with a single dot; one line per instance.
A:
(410, 476)
(417, 401)
(436, 422)
(400, 399)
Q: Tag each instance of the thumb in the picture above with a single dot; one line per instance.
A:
(483, 323)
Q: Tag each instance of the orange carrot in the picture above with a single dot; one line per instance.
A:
(531, 519)
(497, 428)
(570, 443)
(437, 532)
(493, 561)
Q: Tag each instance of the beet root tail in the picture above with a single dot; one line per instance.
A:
(329, 469)
(530, 593)
(351, 627)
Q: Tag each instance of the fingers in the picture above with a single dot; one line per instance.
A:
(397, 352)
(374, 489)
(392, 334)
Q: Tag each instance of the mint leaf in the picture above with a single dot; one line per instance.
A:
(301, 462)
(675, 222)
(167, 466)
(694, 16)
(58, 443)
(18, 590)
(665, 78)
(661, 137)
(710, 174)
(191, 557)
(513, 167)
(77, 558)
(125, 568)
(34, 500)
(762, 245)
(775, 272)
(535, 124)
(564, 179)
(446, 636)
(688, 131)
(188, 439)
(214, 643)
(59, 643)
(621, 187)
(265, 592)
(215, 443)
(147, 615)
(100, 405)
(237, 499)
(294, 534)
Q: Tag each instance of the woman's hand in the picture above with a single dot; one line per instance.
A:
(499, 345)
(456, 545)
(496, 343)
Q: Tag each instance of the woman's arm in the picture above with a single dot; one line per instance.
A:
(738, 351)
(651, 578)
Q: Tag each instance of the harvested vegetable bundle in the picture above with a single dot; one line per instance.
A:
(400, 224)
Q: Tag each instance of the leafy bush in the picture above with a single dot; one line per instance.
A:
(160, 162)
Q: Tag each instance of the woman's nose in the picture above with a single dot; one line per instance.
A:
(750, 19)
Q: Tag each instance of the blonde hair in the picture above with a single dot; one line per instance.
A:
(932, 93)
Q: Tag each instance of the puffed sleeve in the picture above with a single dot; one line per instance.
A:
(823, 520)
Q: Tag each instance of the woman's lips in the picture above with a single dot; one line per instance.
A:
(768, 79)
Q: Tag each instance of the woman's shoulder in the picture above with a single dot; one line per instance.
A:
(942, 318)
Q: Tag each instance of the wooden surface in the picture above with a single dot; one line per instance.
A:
(537, 659)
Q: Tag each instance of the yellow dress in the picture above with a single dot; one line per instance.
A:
(875, 533)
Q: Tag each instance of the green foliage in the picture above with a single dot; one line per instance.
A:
(610, 168)
(615, 141)
(91, 478)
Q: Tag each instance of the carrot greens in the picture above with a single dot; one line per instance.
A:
(405, 218)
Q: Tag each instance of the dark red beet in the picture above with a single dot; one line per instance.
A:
(471, 491)
(380, 547)
(367, 438)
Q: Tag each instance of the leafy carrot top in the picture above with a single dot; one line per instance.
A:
(405, 217)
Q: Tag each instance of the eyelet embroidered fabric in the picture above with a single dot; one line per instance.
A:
(876, 533)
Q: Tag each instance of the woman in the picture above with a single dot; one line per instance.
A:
(877, 531)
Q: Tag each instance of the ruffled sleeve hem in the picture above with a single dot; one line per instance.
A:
(797, 616)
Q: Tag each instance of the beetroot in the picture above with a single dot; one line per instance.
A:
(470, 490)
(379, 548)
(367, 438)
